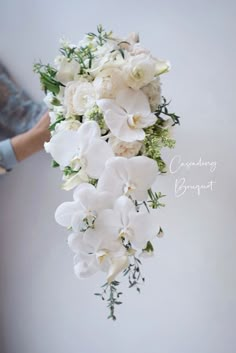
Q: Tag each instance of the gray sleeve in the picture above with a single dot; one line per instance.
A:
(7, 156)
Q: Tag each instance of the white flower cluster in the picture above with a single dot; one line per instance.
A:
(107, 92)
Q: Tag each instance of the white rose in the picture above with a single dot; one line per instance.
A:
(69, 124)
(79, 97)
(108, 83)
(68, 70)
(139, 70)
(124, 149)
(153, 92)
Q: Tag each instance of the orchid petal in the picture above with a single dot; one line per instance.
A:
(82, 187)
(114, 176)
(145, 227)
(124, 206)
(110, 104)
(96, 155)
(63, 146)
(87, 132)
(133, 101)
(75, 243)
(142, 172)
(64, 213)
(118, 264)
(84, 269)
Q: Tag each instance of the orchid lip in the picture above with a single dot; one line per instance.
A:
(129, 187)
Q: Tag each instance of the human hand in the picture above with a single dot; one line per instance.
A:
(32, 141)
(42, 127)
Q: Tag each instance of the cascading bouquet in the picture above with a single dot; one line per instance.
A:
(109, 123)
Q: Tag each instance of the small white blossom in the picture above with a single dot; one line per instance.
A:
(67, 70)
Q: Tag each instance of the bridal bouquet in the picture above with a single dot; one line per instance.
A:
(109, 124)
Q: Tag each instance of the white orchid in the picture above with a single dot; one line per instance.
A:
(81, 147)
(87, 204)
(97, 252)
(128, 225)
(131, 177)
(128, 114)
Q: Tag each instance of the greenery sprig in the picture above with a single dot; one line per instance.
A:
(133, 271)
(155, 197)
(111, 294)
(158, 136)
(102, 36)
(47, 78)
(163, 110)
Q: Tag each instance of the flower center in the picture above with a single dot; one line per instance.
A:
(90, 217)
(126, 234)
(101, 255)
(134, 119)
(78, 161)
(137, 73)
(129, 188)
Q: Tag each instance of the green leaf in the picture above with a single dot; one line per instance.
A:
(122, 53)
(53, 126)
(55, 164)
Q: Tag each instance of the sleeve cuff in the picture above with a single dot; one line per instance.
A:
(7, 155)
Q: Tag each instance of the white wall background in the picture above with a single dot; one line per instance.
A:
(189, 301)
